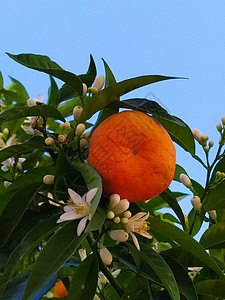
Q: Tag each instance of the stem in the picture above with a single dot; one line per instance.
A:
(199, 159)
(103, 268)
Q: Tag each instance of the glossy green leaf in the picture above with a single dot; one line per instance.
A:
(36, 142)
(89, 77)
(15, 209)
(183, 280)
(109, 77)
(168, 197)
(187, 242)
(16, 86)
(215, 198)
(106, 96)
(46, 65)
(52, 92)
(66, 109)
(84, 280)
(18, 112)
(213, 288)
(9, 96)
(160, 267)
(214, 237)
(179, 170)
(33, 238)
(182, 135)
(56, 252)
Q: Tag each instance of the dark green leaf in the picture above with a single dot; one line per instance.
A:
(187, 242)
(172, 202)
(160, 267)
(109, 77)
(32, 239)
(52, 92)
(55, 253)
(214, 237)
(9, 96)
(213, 288)
(16, 86)
(215, 198)
(1, 81)
(179, 170)
(18, 112)
(89, 77)
(15, 209)
(46, 65)
(66, 109)
(182, 135)
(106, 96)
(36, 142)
(84, 281)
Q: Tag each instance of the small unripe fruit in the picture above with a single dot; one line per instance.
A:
(223, 120)
(185, 180)
(106, 256)
(49, 141)
(83, 143)
(62, 138)
(219, 127)
(127, 214)
(31, 102)
(99, 82)
(119, 235)
(77, 112)
(80, 129)
(116, 220)
(110, 215)
(84, 89)
(48, 179)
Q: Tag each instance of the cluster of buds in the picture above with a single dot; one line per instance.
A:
(219, 177)
(97, 86)
(221, 128)
(65, 126)
(117, 210)
(202, 140)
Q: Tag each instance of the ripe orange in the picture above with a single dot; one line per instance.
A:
(134, 155)
(60, 290)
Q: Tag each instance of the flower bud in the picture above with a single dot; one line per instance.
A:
(106, 256)
(116, 220)
(82, 253)
(96, 297)
(6, 131)
(99, 82)
(83, 143)
(185, 180)
(121, 206)
(197, 134)
(48, 179)
(80, 129)
(204, 139)
(84, 89)
(211, 143)
(110, 215)
(94, 90)
(219, 127)
(77, 112)
(31, 102)
(62, 138)
(124, 220)
(49, 141)
(206, 148)
(212, 214)
(119, 235)
(127, 214)
(196, 203)
(223, 120)
(114, 199)
(65, 126)
(86, 134)
(218, 174)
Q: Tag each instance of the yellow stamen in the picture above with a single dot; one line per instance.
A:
(79, 209)
(70, 202)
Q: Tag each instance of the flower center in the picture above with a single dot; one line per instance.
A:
(79, 209)
(70, 202)
(145, 226)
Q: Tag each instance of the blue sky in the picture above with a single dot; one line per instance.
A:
(177, 38)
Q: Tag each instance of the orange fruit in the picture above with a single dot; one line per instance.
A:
(60, 290)
(134, 155)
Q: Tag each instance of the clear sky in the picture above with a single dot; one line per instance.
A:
(177, 38)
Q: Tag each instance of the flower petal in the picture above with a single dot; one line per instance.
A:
(135, 240)
(71, 215)
(145, 234)
(89, 196)
(75, 197)
(121, 206)
(81, 226)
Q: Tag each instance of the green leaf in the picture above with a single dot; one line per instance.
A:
(89, 77)
(56, 252)
(160, 267)
(15, 209)
(36, 142)
(66, 109)
(52, 92)
(16, 86)
(32, 239)
(106, 96)
(214, 237)
(183, 280)
(1, 81)
(46, 65)
(215, 199)
(179, 170)
(172, 202)
(182, 135)
(187, 242)
(84, 280)
(213, 288)
(18, 112)
(109, 77)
